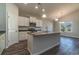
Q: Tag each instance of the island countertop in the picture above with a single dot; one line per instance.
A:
(43, 33)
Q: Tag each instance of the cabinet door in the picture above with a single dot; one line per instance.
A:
(40, 23)
(37, 23)
(23, 36)
(21, 21)
(26, 21)
(33, 19)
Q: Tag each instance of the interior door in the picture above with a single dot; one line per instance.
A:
(12, 29)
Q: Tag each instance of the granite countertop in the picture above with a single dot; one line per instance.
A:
(44, 33)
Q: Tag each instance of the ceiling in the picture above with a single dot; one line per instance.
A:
(53, 10)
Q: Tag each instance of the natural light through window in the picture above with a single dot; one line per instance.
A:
(65, 26)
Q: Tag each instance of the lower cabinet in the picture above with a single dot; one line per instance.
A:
(23, 36)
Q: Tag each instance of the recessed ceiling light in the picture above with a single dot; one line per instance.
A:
(43, 10)
(36, 7)
(44, 16)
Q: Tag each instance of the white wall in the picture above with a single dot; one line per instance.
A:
(2, 17)
(2, 25)
(47, 26)
(56, 27)
(74, 18)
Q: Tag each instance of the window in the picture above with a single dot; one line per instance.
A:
(65, 26)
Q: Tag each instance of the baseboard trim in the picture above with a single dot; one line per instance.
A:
(45, 50)
(69, 37)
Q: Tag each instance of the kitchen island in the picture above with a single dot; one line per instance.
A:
(40, 42)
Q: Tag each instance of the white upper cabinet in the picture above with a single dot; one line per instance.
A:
(23, 21)
(26, 21)
(38, 23)
(33, 19)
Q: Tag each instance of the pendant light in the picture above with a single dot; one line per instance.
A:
(44, 15)
(42, 9)
(56, 19)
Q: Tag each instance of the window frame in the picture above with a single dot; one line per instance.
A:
(65, 31)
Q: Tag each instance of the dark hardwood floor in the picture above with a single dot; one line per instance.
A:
(17, 49)
(68, 46)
